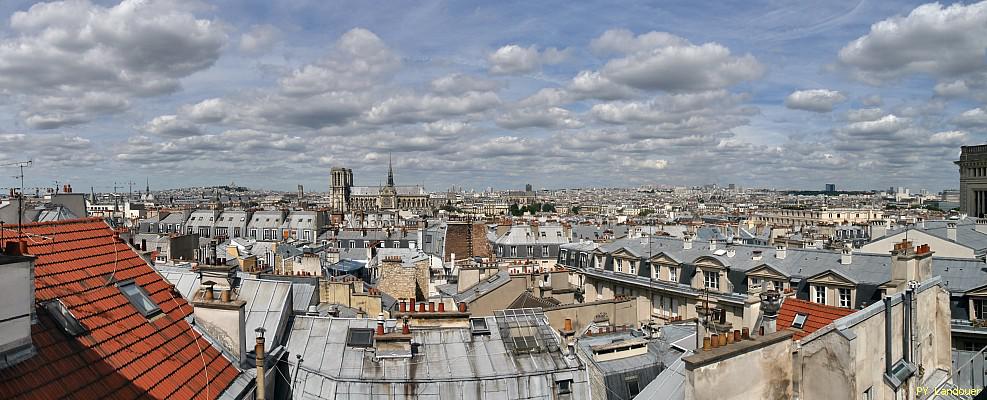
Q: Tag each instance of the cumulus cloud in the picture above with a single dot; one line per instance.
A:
(60, 52)
(815, 100)
(864, 114)
(703, 113)
(407, 108)
(460, 83)
(514, 59)
(359, 60)
(171, 125)
(881, 127)
(259, 38)
(660, 61)
(551, 118)
(976, 117)
(942, 41)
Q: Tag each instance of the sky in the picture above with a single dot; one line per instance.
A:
(863, 94)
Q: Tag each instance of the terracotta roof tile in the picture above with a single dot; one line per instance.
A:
(818, 315)
(123, 354)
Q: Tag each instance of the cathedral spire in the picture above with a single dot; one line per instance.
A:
(390, 171)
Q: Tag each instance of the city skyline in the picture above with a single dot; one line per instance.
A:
(202, 93)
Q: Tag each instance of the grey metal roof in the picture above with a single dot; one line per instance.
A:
(302, 296)
(268, 302)
(525, 234)
(451, 363)
(966, 232)
(670, 383)
(479, 289)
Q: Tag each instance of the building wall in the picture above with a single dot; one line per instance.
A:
(499, 298)
(620, 313)
(403, 282)
(763, 373)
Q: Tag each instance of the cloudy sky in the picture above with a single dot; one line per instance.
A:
(864, 94)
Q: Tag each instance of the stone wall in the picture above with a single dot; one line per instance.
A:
(401, 281)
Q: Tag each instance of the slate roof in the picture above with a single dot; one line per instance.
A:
(528, 300)
(123, 354)
(819, 315)
(959, 275)
(451, 363)
(475, 291)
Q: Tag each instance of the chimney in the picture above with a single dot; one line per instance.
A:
(712, 245)
(756, 255)
(222, 318)
(780, 251)
(770, 304)
(951, 230)
(847, 255)
(405, 328)
(259, 352)
(687, 242)
(380, 324)
(731, 251)
(17, 284)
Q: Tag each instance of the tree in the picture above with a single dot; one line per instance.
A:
(515, 211)
(645, 212)
(575, 209)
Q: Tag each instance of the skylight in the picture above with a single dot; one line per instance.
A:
(139, 298)
(360, 337)
(799, 321)
(479, 326)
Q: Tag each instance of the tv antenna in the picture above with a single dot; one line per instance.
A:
(20, 191)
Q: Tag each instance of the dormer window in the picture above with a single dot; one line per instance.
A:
(139, 298)
(69, 323)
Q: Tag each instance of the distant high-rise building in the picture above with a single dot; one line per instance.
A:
(830, 187)
(973, 180)
(527, 188)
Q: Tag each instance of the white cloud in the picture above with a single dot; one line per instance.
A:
(881, 127)
(407, 108)
(658, 61)
(932, 39)
(552, 117)
(815, 100)
(171, 125)
(950, 138)
(60, 52)
(514, 59)
(259, 38)
(459, 83)
(976, 117)
(622, 41)
(359, 60)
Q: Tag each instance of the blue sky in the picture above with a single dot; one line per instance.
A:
(864, 94)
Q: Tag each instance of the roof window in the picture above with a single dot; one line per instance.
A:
(360, 337)
(69, 323)
(139, 298)
(799, 321)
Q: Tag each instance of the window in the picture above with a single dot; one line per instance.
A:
(513, 251)
(869, 394)
(352, 244)
(544, 251)
(632, 386)
(253, 233)
(753, 282)
(543, 234)
(531, 251)
(360, 337)
(558, 233)
(479, 326)
(799, 321)
(673, 274)
(979, 308)
(236, 231)
(844, 297)
(819, 294)
(139, 298)
(711, 280)
(618, 265)
(631, 267)
(564, 387)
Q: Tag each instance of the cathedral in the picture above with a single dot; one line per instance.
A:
(345, 197)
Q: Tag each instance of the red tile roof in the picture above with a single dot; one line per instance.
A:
(818, 315)
(123, 354)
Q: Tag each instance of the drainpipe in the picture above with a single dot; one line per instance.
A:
(259, 350)
(887, 335)
(906, 337)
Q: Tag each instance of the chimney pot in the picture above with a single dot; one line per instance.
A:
(380, 324)
(404, 306)
(746, 333)
(760, 331)
(421, 307)
(729, 336)
(208, 293)
(723, 339)
(442, 307)
(568, 324)
(736, 335)
(431, 306)
(462, 307)
(405, 329)
(225, 295)
(706, 344)
(715, 340)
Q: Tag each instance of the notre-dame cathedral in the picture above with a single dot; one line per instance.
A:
(346, 197)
